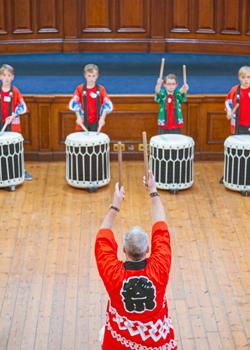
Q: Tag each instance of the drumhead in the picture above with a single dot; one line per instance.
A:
(171, 141)
(238, 141)
(90, 138)
(9, 137)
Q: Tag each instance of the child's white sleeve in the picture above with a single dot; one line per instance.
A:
(74, 104)
(107, 106)
(21, 108)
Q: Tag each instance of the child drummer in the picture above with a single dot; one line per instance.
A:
(170, 119)
(90, 101)
(238, 103)
(12, 104)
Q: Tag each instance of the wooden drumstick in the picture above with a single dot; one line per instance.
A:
(162, 68)
(145, 144)
(81, 124)
(83, 127)
(235, 108)
(120, 164)
(184, 72)
(229, 116)
(4, 127)
(99, 129)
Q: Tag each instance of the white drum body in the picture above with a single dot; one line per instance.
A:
(11, 159)
(87, 159)
(171, 161)
(237, 163)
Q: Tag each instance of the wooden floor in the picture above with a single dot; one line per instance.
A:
(51, 296)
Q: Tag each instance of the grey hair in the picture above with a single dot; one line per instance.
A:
(135, 242)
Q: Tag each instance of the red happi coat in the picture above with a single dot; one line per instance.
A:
(77, 103)
(137, 312)
(18, 106)
(242, 97)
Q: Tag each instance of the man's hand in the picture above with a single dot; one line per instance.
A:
(150, 182)
(119, 195)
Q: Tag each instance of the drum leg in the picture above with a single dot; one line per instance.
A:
(245, 193)
(221, 180)
(175, 191)
(12, 188)
(92, 189)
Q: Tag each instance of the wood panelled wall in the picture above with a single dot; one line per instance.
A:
(221, 26)
(49, 121)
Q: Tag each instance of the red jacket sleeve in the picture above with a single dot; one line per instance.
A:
(103, 93)
(76, 102)
(160, 258)
(109, 266)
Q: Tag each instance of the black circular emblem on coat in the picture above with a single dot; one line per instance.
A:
(138, 294)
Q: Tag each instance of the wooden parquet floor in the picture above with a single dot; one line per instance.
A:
(51, 296)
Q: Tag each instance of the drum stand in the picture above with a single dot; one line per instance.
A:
(174, 191)
(245, 193)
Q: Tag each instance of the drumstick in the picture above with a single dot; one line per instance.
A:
(162, 68)
(184, 72)
(144, 136)
(235, 108)
(233, 111)
(120, 164)
(4, 127)
(81, 124)
(83, 127)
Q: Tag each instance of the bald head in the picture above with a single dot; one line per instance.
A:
(135, 243)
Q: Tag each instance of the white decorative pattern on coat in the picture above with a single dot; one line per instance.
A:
(156, 331)
(135, 346)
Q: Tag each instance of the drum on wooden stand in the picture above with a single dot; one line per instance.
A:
(11, 159)
(87, 159)
(171, 161)
(237, 163)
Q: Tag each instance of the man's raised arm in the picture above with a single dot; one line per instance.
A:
(114, 208)
(157, 209)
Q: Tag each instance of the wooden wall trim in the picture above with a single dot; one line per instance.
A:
(154, 26)
(193, 45)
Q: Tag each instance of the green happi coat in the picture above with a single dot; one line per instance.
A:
(178, 98)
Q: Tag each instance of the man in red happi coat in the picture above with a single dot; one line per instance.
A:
(137, 312)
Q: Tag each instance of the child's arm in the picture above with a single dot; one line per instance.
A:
(229, 108)
(20, 107)
(230, 105)
(184, 89)
(181, 94)
(75, 102)
(106, 108)
(75, 106)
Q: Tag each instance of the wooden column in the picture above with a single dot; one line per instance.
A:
(158, 20)
(71, 26)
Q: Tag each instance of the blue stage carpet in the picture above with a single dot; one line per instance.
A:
(123, 73)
